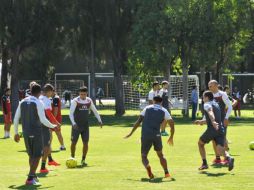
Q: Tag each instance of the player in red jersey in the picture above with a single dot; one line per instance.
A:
(6, 104)
(56, 110)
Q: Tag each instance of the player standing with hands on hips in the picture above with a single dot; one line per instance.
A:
(151, 118)
(79, 112)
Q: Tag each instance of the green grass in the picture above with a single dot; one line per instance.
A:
(115, 163)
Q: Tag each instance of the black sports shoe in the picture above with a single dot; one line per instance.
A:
(203, 167)
(231, 164)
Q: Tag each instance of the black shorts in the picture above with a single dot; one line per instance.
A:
(147, 143)
(84, 135)
(46, 136)
(211, 134)
(34, 145)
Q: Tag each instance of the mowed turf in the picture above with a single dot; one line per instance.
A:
(114, 163)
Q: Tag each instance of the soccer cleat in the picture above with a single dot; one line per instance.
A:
(83, 163)
(231, 164)
(53, 163)
(217, 161)
(44, 171)
(167, 175)
(62, 148)
(164, 133)
(33, 182)
(203, 167)
(225, 162)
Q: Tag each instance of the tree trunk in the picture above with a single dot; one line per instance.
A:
(118, 83)
(185, 63)
(4, 72)
(202, 79)
(91, 68)
(15, 79)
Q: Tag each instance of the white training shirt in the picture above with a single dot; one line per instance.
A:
(226, 101)
(152, 94)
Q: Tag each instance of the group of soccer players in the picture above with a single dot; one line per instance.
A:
(40, 115)
(217, 109)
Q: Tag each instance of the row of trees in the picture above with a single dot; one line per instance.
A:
(140, 37)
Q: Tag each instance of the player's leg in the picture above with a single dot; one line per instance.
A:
(85, 140)
(51, 161)
(217, 159)
(146, 145)
(46, 149)
(74, 139)
(60, 139)
(221, 150)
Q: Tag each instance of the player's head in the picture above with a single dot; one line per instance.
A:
(7, 91)
(226, 89)
(48, 90)
(83, 91)
(235, 89)
(194, 87)
(36, 90)
(31, 84)
(213, 86)
(157, 100)
(156, 85)
(207, 96)
(165, 84)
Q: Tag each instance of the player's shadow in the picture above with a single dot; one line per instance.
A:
(214, 174)
(27, 187)
(55, 151)
(155, 180)
(23, 151)
(219, 166)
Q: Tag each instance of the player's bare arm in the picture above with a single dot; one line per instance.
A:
(172, 131)
(135, 126)
(212, 118)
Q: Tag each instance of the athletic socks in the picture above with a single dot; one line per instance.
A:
(83, 158)
(50, 158)
(149, 170)
(166, 171)
(204, 162)
(217, 157)
(43, 165)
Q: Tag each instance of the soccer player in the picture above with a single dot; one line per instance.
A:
(154, 92)
(163, 93)
(6, 103)
(44, 98)
(79, 112)
(215, 130)
(222, 99)
(31, 112)
(56, 110)
(237, 96)
(151, 118)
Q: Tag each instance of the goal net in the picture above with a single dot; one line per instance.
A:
(136, 97)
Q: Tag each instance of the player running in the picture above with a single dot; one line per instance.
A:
(79, 112)
(31, 112)
(56, 110)
(215, 130)
(151, 118)
(44, 98)
(6, 104)
(154, 92)
(222, 99)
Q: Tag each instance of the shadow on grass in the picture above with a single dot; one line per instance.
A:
(209, 174)
(155, 180)
(27, 187)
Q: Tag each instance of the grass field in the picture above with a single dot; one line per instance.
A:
(115, 164)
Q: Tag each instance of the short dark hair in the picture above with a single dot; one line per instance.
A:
(83, 89)
(194, 87)
(157, 99)
(208, 94)
(225, 87)
(48, 87)
(35, 89)
(220, 87)
(155, 83)
(6, 90)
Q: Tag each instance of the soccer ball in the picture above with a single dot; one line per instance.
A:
(251, 145)
(71, 163)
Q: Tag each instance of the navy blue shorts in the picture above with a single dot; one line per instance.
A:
(75, 133)
(147, 143)
(212, 134)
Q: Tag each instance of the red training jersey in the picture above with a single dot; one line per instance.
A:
(6, 104)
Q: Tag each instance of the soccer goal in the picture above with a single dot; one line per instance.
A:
(136, 96)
